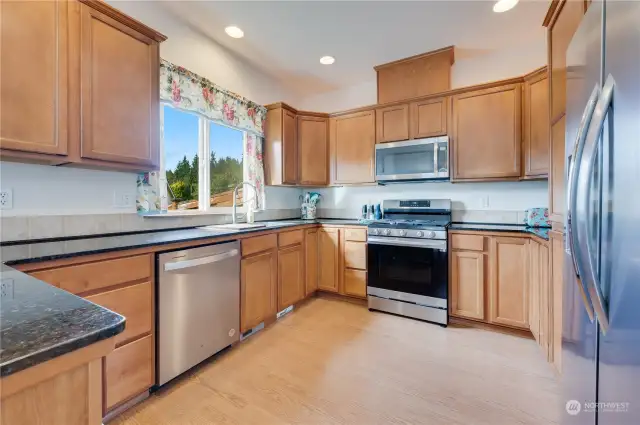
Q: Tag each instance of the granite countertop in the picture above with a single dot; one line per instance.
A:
(39, 322)
(541, 232)
(26, 252)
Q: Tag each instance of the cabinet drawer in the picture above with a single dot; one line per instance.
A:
(356, 235)
(103, 274)
(355, 283)
(135, 303)
(128, 371)
(290, 238)
(467, 242)
(259, 244)
(355, 255)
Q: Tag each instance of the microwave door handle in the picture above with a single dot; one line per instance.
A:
(571, 190)
(582, 222)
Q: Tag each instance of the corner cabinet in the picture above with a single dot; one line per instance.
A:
(97, 73)
(352, 146)
(313, 150)
(328, 259)
(486, 133)
(311, 258)
(119, 91)
(281, 146)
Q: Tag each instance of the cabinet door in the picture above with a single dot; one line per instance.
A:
(556, 175)
(352, 143)
(534, 290)
(467, 284)
(556, 282)
(508, 285)
(486, 133)
(328, 244)
(290, 276)
(313, 147)
(258, 289)
(545, 302)
(33, 76)
(289, 148)
(429, 118)
(392, 123)
(536, 127)
(311, 261)
(119, 92)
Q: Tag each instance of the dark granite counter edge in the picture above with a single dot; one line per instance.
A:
(540, 232)
(66, 347)
(285, 224)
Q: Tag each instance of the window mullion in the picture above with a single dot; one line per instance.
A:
(203, 171)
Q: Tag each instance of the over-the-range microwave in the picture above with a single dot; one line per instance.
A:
(413, 160)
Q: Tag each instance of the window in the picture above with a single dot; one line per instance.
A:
(202, 161)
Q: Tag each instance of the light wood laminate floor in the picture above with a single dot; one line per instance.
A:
(333, 362)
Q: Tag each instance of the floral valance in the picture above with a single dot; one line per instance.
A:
(191, 92)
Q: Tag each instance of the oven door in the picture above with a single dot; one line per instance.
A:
(417, 274)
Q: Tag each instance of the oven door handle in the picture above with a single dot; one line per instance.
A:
(417, 243)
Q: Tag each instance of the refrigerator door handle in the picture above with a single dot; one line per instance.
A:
(581, 220)
(571, 189)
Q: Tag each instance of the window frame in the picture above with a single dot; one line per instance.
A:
(204, 170)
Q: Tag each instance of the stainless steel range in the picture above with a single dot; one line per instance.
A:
(408, 261)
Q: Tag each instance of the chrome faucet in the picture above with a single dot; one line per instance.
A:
(235, 197)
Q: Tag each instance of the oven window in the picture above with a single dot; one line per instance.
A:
(419, 271)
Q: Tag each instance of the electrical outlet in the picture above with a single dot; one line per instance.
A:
(6, 288)
(122, 199)
(6, 199)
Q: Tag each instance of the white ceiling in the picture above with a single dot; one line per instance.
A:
(285, 39)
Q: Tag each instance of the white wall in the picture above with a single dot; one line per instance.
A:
(45, 190)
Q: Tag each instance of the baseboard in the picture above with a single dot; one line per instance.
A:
(467, 323)
(340, 297)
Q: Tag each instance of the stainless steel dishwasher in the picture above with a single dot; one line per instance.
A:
(198, 305)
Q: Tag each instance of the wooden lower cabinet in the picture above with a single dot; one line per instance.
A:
(534, 290)
(328, 259)
(468, 284)
(556, 266)
(355, 283)
(311, 261)
(290, 276)
(509, 282)
(546, 309)
(129, 370)
(258, 289)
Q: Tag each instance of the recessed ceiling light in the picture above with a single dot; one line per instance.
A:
(504, 5)
(327, 60)
(234, 32)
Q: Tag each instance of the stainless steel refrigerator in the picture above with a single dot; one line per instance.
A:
(601, 294)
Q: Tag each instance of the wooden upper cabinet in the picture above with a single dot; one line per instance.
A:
(328, 254)
(486, 134)
(34, 76)
(313, 148)
(392, 123)
(557, 174)
(290, 276)
(536, 128)
(311, 257)
(352, 146)
(258, 289)
(428, 118)
(468, 284)
(281, 146)
(119, 91)
(509, 282)
(415, 76)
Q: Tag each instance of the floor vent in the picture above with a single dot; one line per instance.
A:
(284, 312)
(250, 332)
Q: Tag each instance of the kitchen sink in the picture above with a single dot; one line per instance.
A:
(236, 226)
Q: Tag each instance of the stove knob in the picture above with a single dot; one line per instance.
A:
(386, 232)
(374, 232)
(431, 235)
(402, 233)
(420, 234)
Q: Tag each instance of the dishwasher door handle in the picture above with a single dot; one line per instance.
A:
(179, 265)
